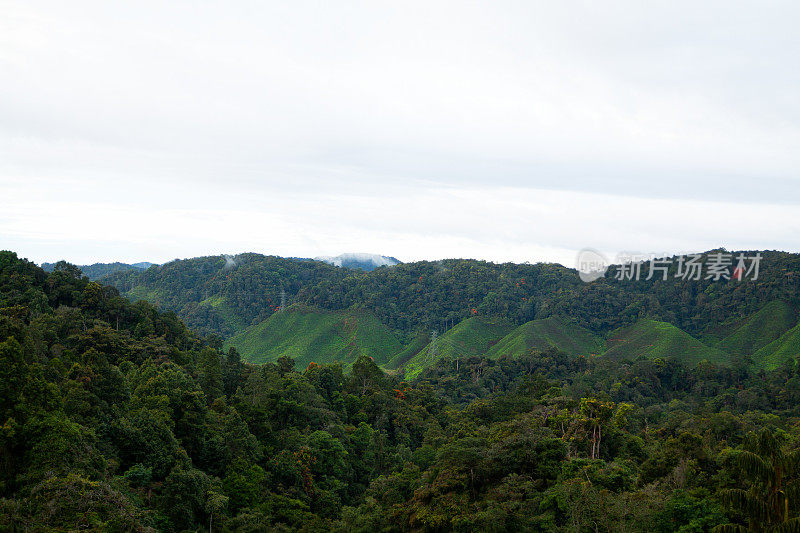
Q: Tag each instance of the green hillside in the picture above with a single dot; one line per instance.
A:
(417, 344)
(760, 329)
(554, 332)
(225, 311)
(309, 334)
(140, 292)
(786, 347)
(653, 339)
(224, 294)
(473, 336)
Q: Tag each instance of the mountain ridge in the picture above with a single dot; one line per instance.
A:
(97, 271)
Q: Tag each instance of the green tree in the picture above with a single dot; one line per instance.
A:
(211, 374)
(596, 414)
(215, 504)
(232, 371)
(184, 496)
(364, 376)
(772, 500)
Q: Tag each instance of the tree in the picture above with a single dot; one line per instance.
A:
(215, 504)
(596, 413)
(772, 501)
(211, 374)
(184, 496)
(232, 371)
(364, 376)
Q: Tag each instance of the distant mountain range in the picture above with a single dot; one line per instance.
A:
(365, 262)
(362, 261)
(314, 310)
(98, 270)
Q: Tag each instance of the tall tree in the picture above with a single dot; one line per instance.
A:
(211, 373)
(772, 500)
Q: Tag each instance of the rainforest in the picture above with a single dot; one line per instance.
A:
(452, 395)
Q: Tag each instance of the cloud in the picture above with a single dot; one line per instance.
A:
(507, 130)
(494, 223)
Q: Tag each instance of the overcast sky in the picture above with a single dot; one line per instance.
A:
(516, 131)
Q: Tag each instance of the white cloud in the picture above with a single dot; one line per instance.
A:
(509, 130)
(495, 223)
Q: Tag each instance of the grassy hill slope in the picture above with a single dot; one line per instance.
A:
(417, 344)
(760, 329)
(473, 336)
(653, 339)
(309, 334)
(554, 332)
(786, 347)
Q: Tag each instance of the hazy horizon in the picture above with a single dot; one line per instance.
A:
(570, 263)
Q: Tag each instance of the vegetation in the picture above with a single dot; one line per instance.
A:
(223, 294)
(783, 349)
(760, 329)
(313, 336)
(417, 344)
(541, 335)
(116, 417)
(725, 321)
(473, 336)
(97, 271)
(652, 339)
(771, 474)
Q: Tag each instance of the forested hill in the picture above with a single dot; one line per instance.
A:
(115, 417)
(225, 296)
(96, 271)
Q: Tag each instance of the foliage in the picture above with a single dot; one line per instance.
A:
(772, 500)
(116, 417)
(309, 335)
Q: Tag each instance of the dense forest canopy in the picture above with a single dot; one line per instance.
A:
(115, 416)
(96, 271)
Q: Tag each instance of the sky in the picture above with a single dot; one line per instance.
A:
(506, 131)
